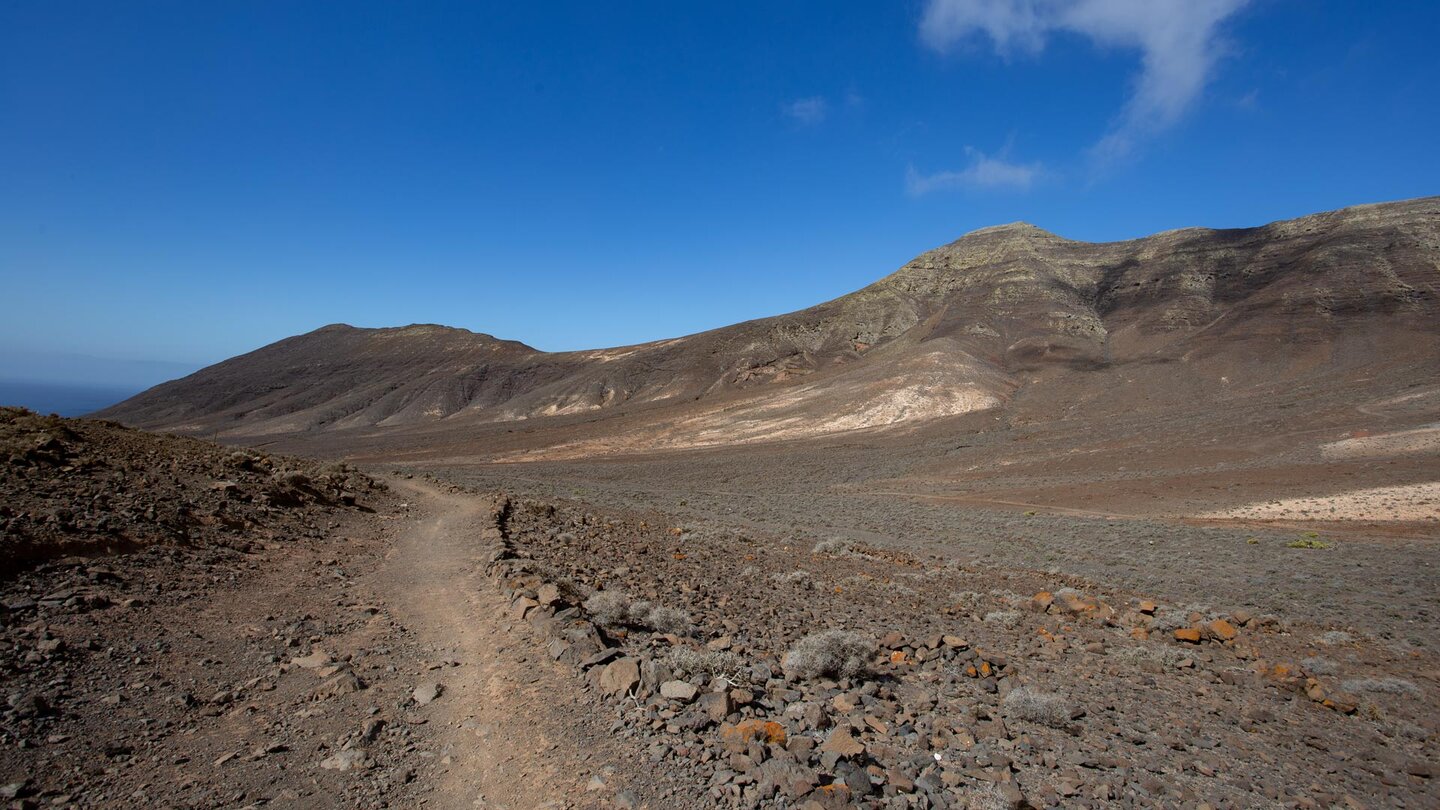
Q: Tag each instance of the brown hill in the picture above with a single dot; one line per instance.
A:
(1010, 318)
(78, 487)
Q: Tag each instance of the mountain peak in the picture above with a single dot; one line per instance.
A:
(1013, 229)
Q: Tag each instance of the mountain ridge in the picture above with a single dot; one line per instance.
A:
(959, 328)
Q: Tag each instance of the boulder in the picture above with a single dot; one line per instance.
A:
(620, 676)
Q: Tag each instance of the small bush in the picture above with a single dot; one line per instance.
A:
(1335, 637)
(1316, 665)
(796, 577)
(836, 545)
(615, 609)
(1148, 654)
(663, 619)
(1387, 686)
(688, 661)
(1307, 542)
(833, 653)
(608, 608)
(1003, 618)
(1036, 706)
(967, 602)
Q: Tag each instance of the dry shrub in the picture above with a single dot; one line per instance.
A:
(688, 661)
(835, 545)
(1048, 708)
(832, 653)
(1386, 686)
(614, 608)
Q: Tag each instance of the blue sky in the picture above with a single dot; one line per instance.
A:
(181, 181)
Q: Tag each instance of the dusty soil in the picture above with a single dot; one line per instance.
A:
(287, 675)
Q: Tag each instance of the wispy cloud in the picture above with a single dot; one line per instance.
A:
(984, 172)
(1179, 43)
(807, 111)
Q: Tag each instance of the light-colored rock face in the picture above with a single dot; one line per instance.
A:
(955, 330)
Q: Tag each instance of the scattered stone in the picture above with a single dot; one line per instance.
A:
(678, 690)
(427, 693)
(348, 760)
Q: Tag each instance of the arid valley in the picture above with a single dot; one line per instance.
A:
(1030, 522)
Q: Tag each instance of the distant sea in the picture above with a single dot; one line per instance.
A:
(66, 399)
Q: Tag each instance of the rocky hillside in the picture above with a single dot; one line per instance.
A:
(80, 487)
(961, 328)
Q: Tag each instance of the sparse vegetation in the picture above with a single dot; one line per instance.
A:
(1307, 542)
(686, 661)
(1315, 665)
(614, 609)
(1027, 703)
(1003, 618)
(835, 546)
(1153, 655)
(832, 653)
(1384, 686)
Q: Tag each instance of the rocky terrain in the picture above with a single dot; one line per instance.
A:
(791, 671)
(79, 486)
(1028, 523)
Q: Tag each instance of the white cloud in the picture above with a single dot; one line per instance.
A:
(808, 111)
(984, 172)
(1178, 40)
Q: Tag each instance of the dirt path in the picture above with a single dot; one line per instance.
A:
(488, 718)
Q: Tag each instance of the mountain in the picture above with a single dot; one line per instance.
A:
(985, 323)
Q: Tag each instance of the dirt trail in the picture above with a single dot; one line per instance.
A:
(488, 717)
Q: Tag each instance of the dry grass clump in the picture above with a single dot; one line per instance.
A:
(1335, 637)
(829, 653)
(1003, 618)
(1026, 703)
(615, 609)
(608, 608)
(1148, 654)
(884, 586)
(1316, 665)
(837, 546)
(796, 577)
(687, 661)
(1386, 686)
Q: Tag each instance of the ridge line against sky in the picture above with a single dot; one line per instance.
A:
(186, 182)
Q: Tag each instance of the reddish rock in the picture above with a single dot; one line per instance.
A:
(1222, 630)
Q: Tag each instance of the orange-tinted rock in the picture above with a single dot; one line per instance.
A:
(737, 738)
(1222, 630)
(834, 796)
(1148, 608)
(1189, 634)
